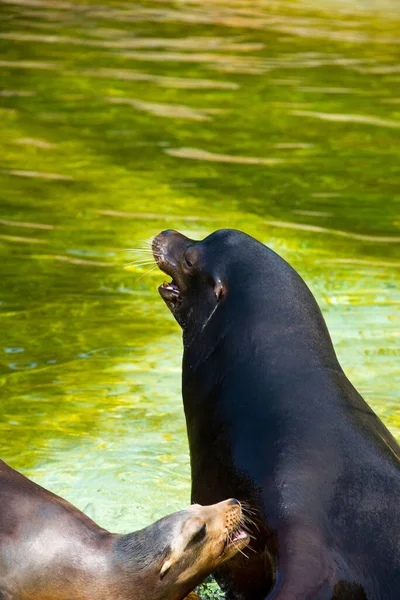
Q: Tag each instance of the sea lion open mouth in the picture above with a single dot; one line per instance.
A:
(236, 539)
(170, 292)
(196, 285)
(167, 251)
(237, 536)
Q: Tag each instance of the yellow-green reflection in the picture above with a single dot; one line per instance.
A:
(120, 120)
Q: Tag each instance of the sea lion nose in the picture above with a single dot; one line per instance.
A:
(163, 240)
(233, 502)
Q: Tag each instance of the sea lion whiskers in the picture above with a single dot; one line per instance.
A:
(249, 515)
(145, 243)
(245, 524)
(139, 262)
(145, 248)
(241, 551)
(157, 251)
(144, 256)
(146, 273)
(140, 248)
(248, 508)
(134, 265)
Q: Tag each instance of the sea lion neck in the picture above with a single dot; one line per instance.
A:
(140, 549)
(271, 311)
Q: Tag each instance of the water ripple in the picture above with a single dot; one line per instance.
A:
(26, 240)
(35, 143)
(37, 174)
(354, 236)
(24, 224)
(162, 80)
(238, 64)
(27, 64)
(191, 43)
(198, 154)
(74, 261)
(16, 93)
(176, 111)
(364, 119)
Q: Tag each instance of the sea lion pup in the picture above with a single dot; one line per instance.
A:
(50, 550)
(273, 420)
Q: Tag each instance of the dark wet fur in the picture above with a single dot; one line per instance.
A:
(273, 420)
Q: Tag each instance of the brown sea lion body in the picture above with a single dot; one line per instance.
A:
(50, 550)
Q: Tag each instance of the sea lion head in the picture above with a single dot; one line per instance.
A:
(184, 547)
(229, 286)
(205, 272)
(204, 537)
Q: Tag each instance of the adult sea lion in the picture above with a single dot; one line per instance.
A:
(50, 550)
(273, 420)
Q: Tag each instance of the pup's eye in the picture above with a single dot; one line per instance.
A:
(199, 536)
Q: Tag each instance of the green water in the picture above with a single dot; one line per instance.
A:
(121, 119)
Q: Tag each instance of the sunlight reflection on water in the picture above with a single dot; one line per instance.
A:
(121, 120)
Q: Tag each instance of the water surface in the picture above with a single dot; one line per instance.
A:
(121, 119)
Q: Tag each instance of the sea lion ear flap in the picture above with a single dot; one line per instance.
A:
(166, 567)
(219, 289)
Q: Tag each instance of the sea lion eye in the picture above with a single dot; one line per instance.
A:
(199, 535)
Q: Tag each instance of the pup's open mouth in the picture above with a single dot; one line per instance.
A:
(237, 536)
(236, 539)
